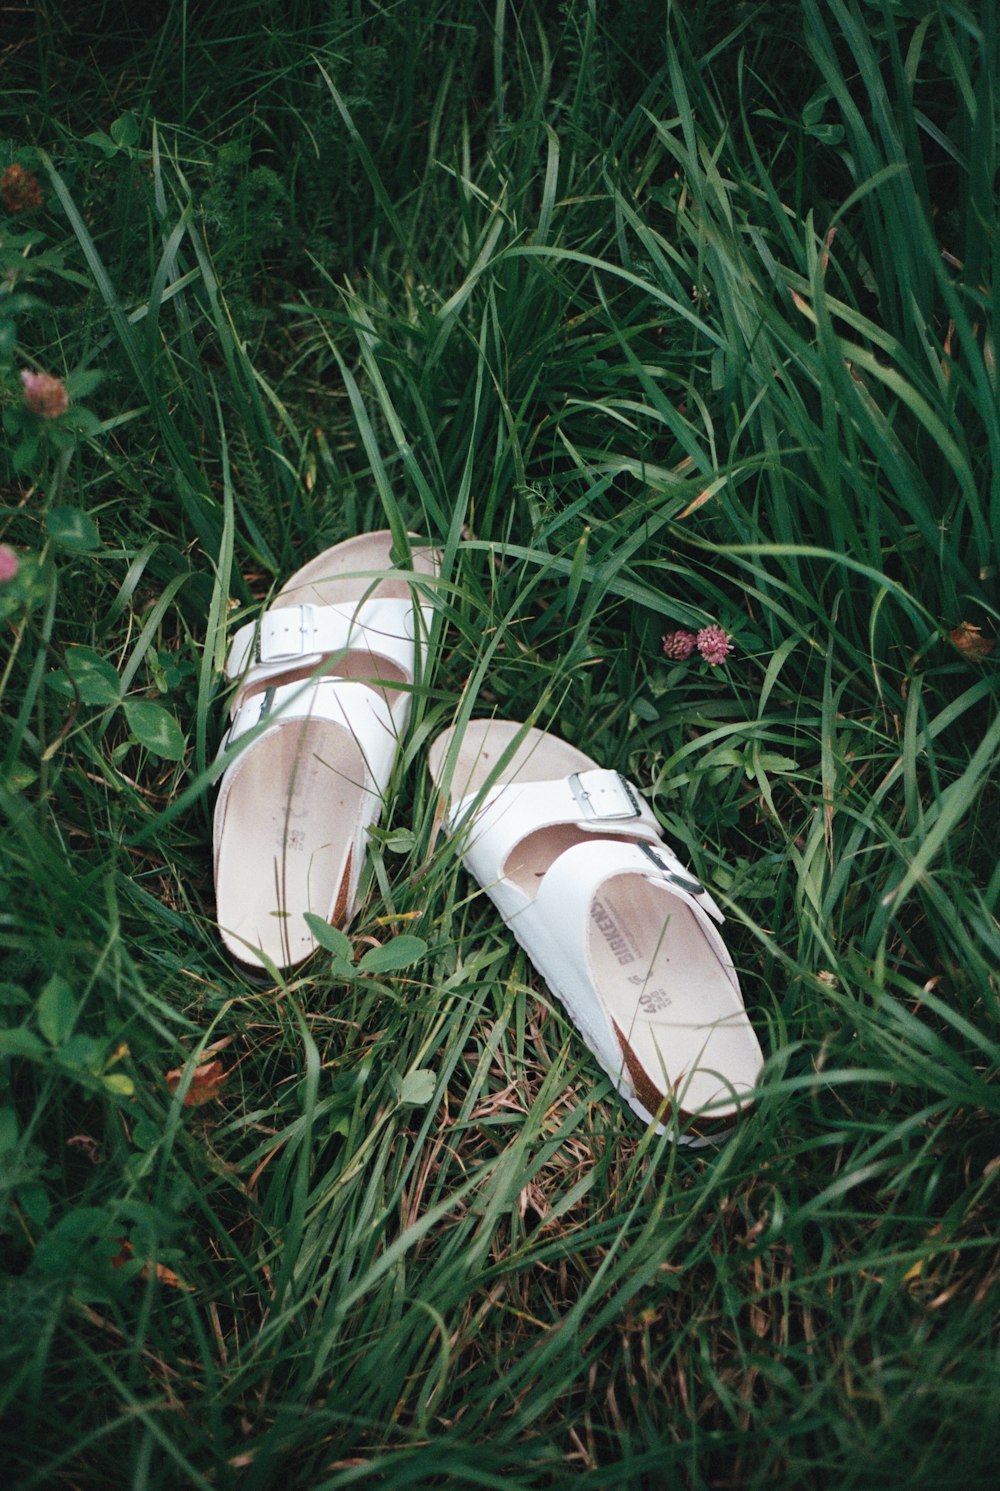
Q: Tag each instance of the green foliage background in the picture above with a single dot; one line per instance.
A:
(649, 316)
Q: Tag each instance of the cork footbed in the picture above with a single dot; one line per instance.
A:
(295, 800)
(679, 1020)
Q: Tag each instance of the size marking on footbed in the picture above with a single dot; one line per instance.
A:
(654, 1000)
(650, 1001)
(620, 945)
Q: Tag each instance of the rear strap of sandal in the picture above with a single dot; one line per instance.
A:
(598, 802)
(301, 636)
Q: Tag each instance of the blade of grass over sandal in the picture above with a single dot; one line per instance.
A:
(573, 858)
(325, 682)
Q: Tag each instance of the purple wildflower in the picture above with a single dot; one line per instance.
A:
(8, 563)
(713, 644)
(44, 395)
(678, 645)
(20, 190)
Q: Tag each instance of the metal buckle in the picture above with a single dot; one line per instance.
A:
(683, 882)
(597, 813)
(277, 628)
(245, 720)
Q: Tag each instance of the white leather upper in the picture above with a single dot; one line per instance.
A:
(303, 635)
(297, 637)
(342, 703)
(598, 801)
(555, 924)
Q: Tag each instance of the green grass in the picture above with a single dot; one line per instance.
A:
(654, 320)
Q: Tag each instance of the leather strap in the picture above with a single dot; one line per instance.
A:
(578, 874)
(597, 801)
(351, 706)
(303, 635)
(342, 704)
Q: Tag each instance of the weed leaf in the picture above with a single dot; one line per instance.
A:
(96, 681)
(73, 529)
(401, 952)
(417, 1087)
(155, 728)
(329, 937)
(56, 1011)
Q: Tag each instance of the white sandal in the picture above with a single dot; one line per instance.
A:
(572, 857)
(328, 668)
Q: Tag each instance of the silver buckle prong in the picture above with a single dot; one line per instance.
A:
(683, 882)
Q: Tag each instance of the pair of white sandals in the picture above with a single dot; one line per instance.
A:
(569, 853)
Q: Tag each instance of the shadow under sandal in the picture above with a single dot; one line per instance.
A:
(326, 675)
(624, 936)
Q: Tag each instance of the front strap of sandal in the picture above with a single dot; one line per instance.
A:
(570, 885)
(352, 706)
(561, 908)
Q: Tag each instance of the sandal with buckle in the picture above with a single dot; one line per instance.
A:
(325, 682)
(623, 934)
